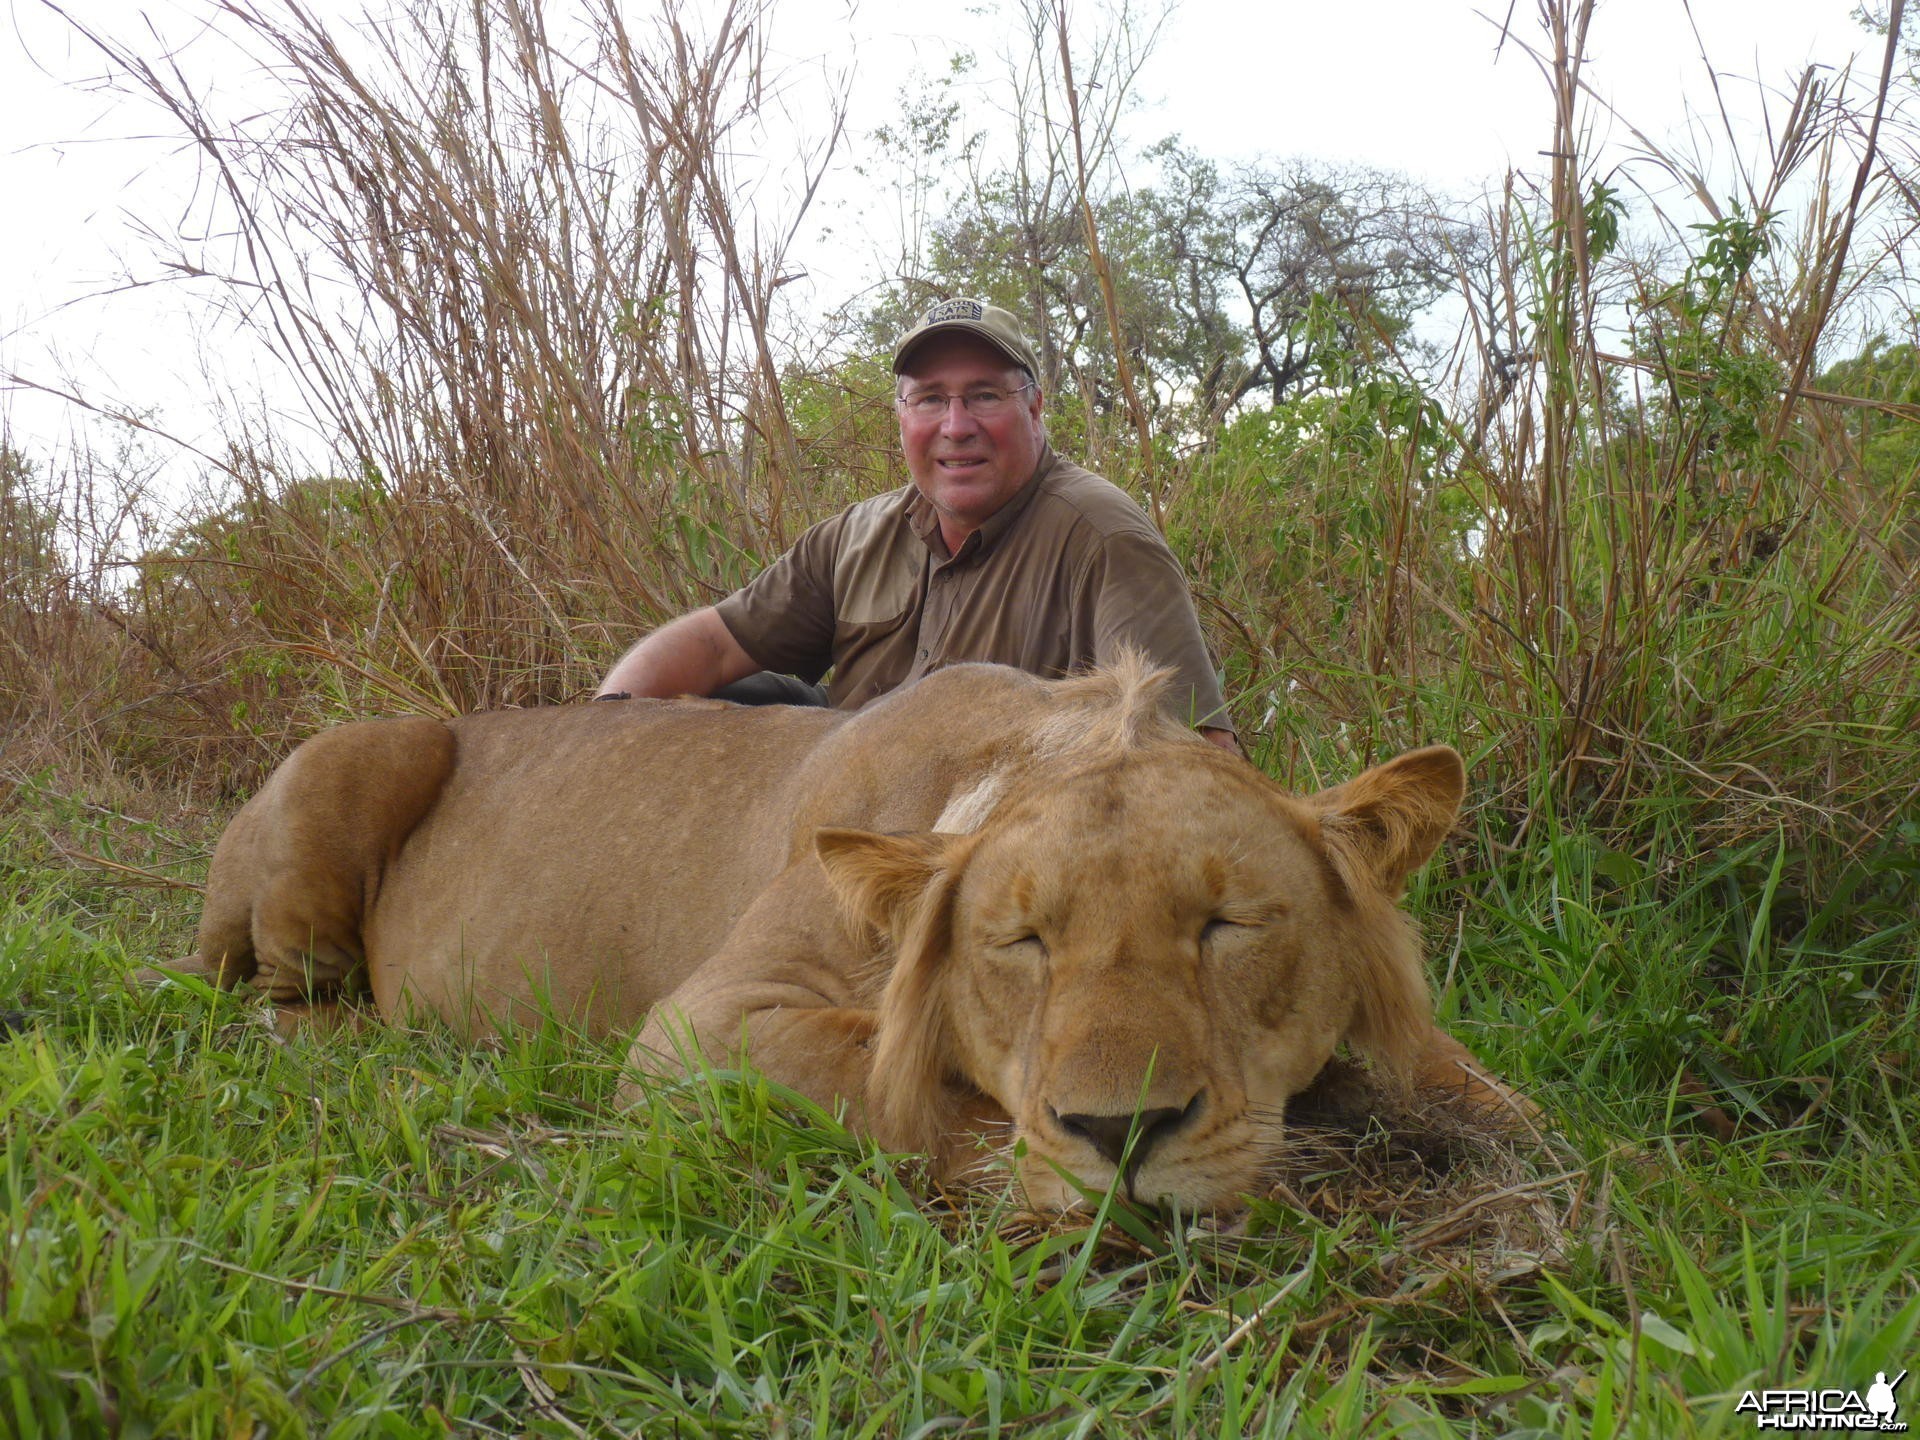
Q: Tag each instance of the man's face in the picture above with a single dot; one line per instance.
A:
(967, 466)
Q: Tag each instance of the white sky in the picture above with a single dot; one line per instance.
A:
(1411, 85)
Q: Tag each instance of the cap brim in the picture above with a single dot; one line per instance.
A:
(970, 327)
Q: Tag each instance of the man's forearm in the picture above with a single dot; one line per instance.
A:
(694, 655)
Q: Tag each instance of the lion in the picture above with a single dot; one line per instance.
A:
(987, 915)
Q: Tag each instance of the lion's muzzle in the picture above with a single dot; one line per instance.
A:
(1125, 1141)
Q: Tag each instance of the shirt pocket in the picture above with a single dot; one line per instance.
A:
(876, 575)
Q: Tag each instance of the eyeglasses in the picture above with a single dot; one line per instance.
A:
(981, 404)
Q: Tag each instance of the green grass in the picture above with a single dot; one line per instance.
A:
(212, 1232)
(1648, 601)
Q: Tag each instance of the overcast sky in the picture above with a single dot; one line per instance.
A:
(1411, 85)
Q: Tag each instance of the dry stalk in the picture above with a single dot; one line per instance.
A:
(1123, 364)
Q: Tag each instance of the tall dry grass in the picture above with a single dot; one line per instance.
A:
(1687, 588)
(520, 279)
(1626, 555)
(1638, 568)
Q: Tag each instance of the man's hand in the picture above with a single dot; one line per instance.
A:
(1223, 738)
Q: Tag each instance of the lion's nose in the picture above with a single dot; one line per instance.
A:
(1109, 1133)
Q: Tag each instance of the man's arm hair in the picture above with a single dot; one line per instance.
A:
(694, 655)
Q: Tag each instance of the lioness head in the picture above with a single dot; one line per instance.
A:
(1142, 959)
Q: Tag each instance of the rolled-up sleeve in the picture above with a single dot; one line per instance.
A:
(783, 617)
(1140, 600)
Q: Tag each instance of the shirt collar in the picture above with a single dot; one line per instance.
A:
(925, 520)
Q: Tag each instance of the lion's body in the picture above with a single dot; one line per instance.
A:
(598, 942)
(581, 860)
(985, 897)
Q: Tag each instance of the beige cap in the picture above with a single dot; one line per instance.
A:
(992, 324)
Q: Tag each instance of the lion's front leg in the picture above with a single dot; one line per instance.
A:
(792, 991)
(783, 988)
(824, 1053)
(792, 1036)
(1448, 1072)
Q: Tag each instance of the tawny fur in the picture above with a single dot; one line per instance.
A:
(1133, 919)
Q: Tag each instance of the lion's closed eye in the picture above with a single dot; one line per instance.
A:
(1220, 939)
(1023, 946)
(1235, 925)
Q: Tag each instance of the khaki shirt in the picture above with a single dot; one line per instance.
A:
(1057, 580)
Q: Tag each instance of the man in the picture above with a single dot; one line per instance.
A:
(998, 550)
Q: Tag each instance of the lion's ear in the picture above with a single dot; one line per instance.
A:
(903, 885)
(881, 879)
(1386, 821)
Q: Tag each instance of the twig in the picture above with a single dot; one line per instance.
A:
(1822, 307)
(1448, 1226)
(1325, 1318)
(1225, 1347)
(143, 875)
(1899, 410)
(308, 1287)
(545, 1398)
(1625, 1276)
(372, 1337)
(1122, 366)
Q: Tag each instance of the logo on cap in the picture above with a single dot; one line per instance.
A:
(955, 310)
